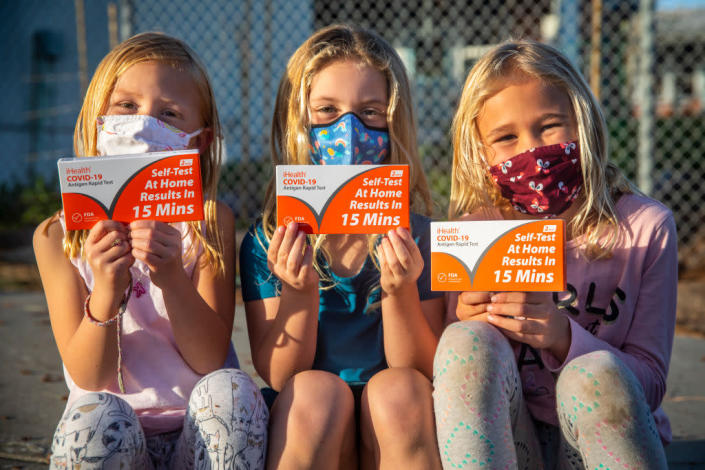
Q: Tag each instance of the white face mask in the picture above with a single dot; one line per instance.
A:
(123, 134)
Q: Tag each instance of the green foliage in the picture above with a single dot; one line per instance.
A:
(242, 186)
(437, 161)
(26, 205)
(676, 140)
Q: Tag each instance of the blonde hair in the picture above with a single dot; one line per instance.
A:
(291, 123)
(472, 189)
(155, 47)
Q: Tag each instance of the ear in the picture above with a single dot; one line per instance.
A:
(203, 140)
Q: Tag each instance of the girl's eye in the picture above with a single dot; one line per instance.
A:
(126, 105)
(505, 138)
(326, 109)
(168, 113)
(550, 125)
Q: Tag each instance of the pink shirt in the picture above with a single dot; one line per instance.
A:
(625, 304)
(157, 380)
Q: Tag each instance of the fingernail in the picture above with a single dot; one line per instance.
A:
(281, 229)
(493, 298)
(490, 308)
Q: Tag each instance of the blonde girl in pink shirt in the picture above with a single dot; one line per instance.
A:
(142, 313)
(568, 379)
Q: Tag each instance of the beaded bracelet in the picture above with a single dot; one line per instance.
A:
(121, 308)
(117, 318)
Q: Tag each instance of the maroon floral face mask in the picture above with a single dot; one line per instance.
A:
(542, 181)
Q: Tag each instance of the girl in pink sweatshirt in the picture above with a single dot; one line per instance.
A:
(568, 379)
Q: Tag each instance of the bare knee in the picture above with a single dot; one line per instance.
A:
(310, 421)
(315, 400)
(400, 405)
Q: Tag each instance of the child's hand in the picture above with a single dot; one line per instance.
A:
(108, 252)
(158, 245)
(473, 306)
(536, 320)
(290, 259)
(400, 261)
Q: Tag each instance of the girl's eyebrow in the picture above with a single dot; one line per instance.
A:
(499, 130)
(364, 102)
(553, 116)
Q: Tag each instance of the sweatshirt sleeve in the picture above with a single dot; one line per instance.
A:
(647, 346)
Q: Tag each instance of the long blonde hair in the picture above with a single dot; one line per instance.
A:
(291, 122)
(155, 47)
(472, 189)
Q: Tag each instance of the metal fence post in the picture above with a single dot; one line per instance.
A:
(646, 96)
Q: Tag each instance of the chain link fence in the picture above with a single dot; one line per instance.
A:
(644, 60)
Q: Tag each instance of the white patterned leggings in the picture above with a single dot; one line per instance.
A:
(225, 427)
(482, 420)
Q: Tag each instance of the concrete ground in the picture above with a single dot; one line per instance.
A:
(33, 393)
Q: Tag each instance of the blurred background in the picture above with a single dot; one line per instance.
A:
(644, 59)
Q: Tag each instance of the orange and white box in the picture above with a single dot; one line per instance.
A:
(343, 198)
(163, 186)
(498, 255)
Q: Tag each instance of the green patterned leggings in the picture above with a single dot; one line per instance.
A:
(482, 420)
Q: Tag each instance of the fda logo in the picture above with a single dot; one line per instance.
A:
(186, 162)
(549, 228)
(396, 173)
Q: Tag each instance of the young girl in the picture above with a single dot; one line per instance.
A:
(142, 313)
(583, 386)
(344, 327)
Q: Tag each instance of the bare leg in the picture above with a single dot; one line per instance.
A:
(311, 424)
(396, 422)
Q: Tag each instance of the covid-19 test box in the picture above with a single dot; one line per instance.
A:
(498, 255)
(164, 186)
(343, 198)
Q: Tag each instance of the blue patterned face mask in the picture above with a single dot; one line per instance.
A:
(347, 141)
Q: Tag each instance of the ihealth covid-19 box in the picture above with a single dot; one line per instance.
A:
(498, 255)
(343, 198)
(164, 186)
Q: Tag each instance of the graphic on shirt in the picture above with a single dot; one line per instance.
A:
(608, 315)
(528, 355)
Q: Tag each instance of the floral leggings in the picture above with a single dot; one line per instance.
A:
(483, 422)
(225, 427)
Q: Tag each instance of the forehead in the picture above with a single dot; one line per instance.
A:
(348, 78)
(523, 96)
(153, 74)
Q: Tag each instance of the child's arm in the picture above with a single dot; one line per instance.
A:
(88, 351)
(411, 326)
(283, 329)
(200, 309)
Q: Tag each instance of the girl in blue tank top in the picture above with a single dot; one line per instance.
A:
(344, 327)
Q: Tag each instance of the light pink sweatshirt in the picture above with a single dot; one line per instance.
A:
(625, 304)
